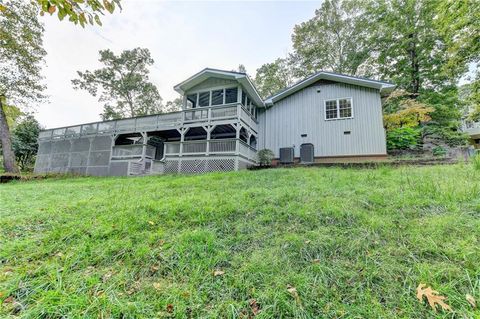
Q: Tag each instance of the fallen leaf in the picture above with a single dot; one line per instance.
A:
(59, 254)
(169, 308)
(308, 242)
(151, 223)
(432, 297)
(254, 306)
(471, 300)
(157, 286)
(218, 273)
(161, 242)
(8, 300)
(316, 261)
(293, 291)
(107, 276)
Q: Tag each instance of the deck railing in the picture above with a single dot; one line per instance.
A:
(132, 151)
(153, 122)
(212, 147)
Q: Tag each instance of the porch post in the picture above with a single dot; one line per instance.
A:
(208, 129)
(144, 149)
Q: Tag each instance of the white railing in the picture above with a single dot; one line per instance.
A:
(153, 122)
(193, 147)
(134, 150)
(222, 146)
(248, 118)
(215, 147)
(247, 151)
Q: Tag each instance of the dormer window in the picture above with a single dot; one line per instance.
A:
(204, 99)
(231, 95)
(191, 101)
(217, 97)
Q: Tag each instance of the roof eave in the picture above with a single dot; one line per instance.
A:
(383, 87)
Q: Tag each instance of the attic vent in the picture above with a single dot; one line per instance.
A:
(286, 155)
(306, 153)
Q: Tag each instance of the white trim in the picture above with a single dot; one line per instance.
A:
(338, 109)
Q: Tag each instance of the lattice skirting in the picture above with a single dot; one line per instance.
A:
(201, 165)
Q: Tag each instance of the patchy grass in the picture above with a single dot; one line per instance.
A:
(355, 243)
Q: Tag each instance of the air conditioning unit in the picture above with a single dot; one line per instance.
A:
(306, 153)
(286, 155)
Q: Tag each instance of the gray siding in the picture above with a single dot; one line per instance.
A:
(304, 113)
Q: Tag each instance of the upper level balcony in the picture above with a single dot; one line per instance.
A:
(189, 117)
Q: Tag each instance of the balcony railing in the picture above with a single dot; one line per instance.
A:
(132, 151)
(153, 122)
(212, 147)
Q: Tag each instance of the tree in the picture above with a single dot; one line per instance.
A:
(78, 11)
(242, 68)
(459, 24)
(173, 106)
(24, 140)
(21, 57)
(273, 77)
(404, 111)
(123, 84)
(335, 39)
(411, 50)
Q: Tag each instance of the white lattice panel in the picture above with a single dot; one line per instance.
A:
(194, 166)
(221, 165)
(171, 166)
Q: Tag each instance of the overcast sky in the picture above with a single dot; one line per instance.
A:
(183, 37)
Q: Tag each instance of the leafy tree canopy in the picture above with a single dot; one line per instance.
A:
(335, 39)
(81, 12)
(21, 59)
(123, 84)
(273, 77)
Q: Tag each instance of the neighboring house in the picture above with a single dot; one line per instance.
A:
(325, 118)
(473, 131)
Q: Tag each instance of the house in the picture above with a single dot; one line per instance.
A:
(325, 118)
(473, 131)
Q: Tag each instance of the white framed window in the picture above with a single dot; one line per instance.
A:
(338, 109)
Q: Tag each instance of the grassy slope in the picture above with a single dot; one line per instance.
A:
(131, 246)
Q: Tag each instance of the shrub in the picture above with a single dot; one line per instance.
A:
(402, 138)
(265, 157)
(450, 135)
(439, 151)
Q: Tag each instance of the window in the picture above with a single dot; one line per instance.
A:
(338, 109)
(345, 108)
(231, 95)
(217, 97)
(192, 101)
(204, 99)
(244, 98)
(331, 109)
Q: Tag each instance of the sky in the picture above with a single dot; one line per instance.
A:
(183, 37)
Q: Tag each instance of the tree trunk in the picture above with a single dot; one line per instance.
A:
(415, 68)
(8, 155)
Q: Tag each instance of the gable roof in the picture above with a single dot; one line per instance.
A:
(206, 73)
(383, 87)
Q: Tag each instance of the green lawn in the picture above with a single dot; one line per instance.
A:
(355, 243)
